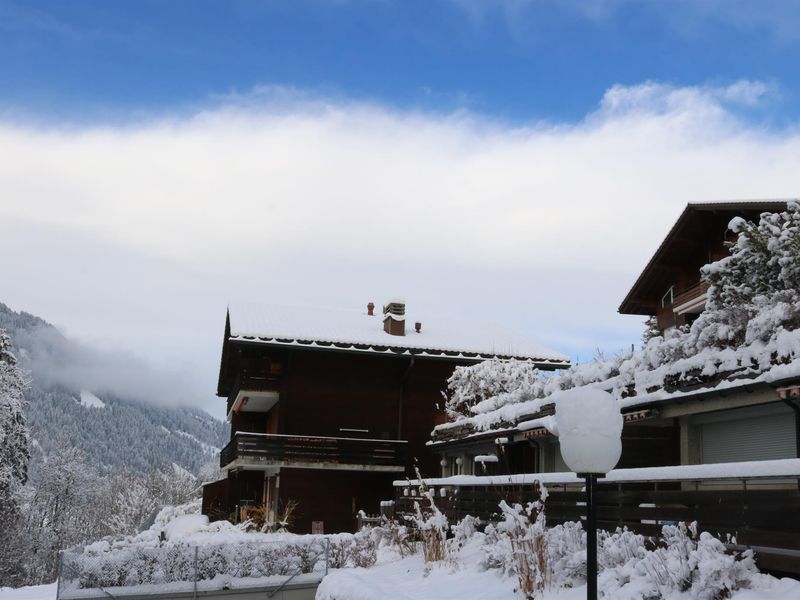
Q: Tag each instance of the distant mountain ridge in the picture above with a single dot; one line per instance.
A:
(114, 432)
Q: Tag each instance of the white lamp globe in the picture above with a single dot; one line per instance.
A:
(589, 425)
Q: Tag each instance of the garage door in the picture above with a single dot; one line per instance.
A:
(758, 433)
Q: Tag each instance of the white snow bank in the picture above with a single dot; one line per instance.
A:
(476, 570)
(33, 592)
(184, 526)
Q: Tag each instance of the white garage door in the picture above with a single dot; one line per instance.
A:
(756, 433)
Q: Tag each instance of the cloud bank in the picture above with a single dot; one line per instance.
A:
(286, 196)
(57, 361)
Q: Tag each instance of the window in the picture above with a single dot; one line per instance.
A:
(666, 299)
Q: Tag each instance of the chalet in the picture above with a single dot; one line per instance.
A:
(669, 288)
(692, 443)
(732, 418)
(328, 407)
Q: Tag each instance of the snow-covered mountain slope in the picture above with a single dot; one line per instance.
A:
(114, 432)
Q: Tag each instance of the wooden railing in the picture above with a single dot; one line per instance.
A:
(691, 293)
(253, 449)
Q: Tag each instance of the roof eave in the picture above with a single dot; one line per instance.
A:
(398, 351)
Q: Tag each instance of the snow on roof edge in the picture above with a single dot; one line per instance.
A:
(333, 328)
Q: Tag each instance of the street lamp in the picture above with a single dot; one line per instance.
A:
(589, 425)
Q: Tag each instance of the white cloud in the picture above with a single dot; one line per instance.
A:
(285, 195)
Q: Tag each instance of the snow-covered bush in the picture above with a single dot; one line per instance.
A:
(182, 545)
(101, 566)
(517, 544)
(397, 537)
(339, 550)
(496, 379)
(566, 553)
(364, 548)
(463, 531)
(430, 523)
(701, 565)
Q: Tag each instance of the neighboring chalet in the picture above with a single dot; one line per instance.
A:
(739, 420)
(328, 407)
(721, 449)
(669, 287)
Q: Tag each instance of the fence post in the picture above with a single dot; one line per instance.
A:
(327, 553)
(60, 573)
(196, 550)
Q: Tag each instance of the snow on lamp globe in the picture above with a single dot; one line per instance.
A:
(589, 426)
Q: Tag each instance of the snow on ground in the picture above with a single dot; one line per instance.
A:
(89, 400)
(33, 592)
(408, 579)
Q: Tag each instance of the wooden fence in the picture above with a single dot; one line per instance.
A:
(763, 514)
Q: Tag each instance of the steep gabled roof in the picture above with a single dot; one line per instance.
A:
(683, 238)
(356, 331)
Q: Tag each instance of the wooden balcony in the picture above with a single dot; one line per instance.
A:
(691, 300)
(265, 451)
(253, 394)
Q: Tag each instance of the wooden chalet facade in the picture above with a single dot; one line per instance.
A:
(328, 407)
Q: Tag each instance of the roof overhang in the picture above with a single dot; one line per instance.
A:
(641, 300)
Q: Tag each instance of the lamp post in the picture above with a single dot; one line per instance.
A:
(589, 427)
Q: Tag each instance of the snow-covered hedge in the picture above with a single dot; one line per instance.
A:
(750, 329)
(182, 546)
(98, 566)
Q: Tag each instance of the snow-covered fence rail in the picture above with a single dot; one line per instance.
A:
(98, 571)
(757, 503)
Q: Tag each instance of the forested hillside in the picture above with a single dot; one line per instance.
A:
(113, 432)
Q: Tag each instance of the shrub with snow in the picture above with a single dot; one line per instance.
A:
(430, 524)
(517, 544)
(182, 544)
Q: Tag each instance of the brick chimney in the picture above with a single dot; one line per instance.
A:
(371, 309)
(394, 317)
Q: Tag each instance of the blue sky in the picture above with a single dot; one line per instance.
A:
(513, 59)
(511, 161)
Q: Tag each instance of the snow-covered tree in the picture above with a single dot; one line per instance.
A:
(13, 455)
(13, 426)
(651, 329)
(468, 386)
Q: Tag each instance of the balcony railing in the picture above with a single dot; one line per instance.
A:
(249, 450)
(690, 298)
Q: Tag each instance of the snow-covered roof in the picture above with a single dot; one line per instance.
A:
(355, 330)
(653, 271)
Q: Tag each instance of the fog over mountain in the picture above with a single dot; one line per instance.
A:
(111, 405)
